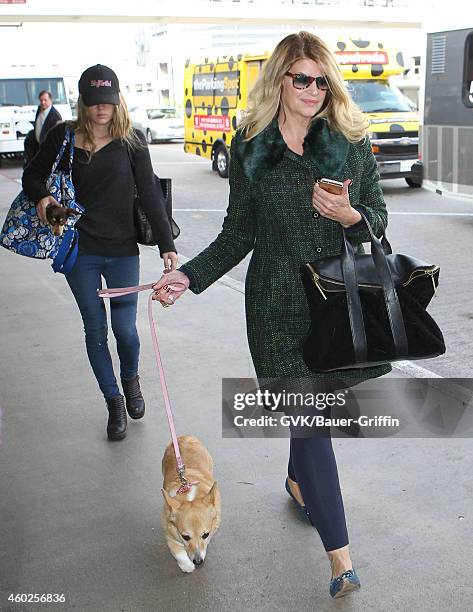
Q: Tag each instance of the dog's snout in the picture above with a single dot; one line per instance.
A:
(198, 560)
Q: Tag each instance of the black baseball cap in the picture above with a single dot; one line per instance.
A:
(99, 85)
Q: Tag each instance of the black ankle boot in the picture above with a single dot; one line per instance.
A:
(135, 404)
(116, 426)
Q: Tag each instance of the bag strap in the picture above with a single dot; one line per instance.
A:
(67, 253)
(164, 187)
(391, 299)
(131, 158)
(165, 184)
(72, 140)
(68, 138)
(355, 312)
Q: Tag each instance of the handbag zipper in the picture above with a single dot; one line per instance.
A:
(316, 278)
(430, 272)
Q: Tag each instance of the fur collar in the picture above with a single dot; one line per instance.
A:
(327, 149)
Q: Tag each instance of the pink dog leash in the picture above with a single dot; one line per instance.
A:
(111, 293)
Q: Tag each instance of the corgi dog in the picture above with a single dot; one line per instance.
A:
(190, 519)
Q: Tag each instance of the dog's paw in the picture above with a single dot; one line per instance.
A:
(185, 563)
(187, 567)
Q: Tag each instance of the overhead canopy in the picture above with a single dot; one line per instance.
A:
(203, 11)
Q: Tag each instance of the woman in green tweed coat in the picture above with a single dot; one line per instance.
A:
(301, 126)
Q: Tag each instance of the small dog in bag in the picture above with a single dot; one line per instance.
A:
(57, 217)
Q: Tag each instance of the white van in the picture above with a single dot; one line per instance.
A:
(18, 103)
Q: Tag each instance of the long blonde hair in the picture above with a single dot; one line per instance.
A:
(120, 126)
(264, 100)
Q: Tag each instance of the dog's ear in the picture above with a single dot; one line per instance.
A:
(171, 502)
(70, 212)
(210, 497)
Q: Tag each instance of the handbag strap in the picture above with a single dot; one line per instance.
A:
(68, 138)
(391, 299)
(131, 158)
(355, 312)
(67, 253)
(72, 140)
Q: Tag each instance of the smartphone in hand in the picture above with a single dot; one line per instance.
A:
(335, 187)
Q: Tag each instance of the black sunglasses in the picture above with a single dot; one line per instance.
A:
(302, 81)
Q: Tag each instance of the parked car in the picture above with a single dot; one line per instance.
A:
(158, 124)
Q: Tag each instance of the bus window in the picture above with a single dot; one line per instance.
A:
(378, 96)
(203, 87)
(13, 92)
(24, 92)
(468, 73)
(55, 86)
(254, 68)
(226, 87)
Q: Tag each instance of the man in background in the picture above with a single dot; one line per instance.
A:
(46, 118)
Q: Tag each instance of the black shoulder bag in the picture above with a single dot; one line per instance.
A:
(369, 309)
(144, 232)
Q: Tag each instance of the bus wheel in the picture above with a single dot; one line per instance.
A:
(412, 183)
(221, 156)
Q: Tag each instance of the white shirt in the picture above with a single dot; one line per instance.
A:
(40, 122)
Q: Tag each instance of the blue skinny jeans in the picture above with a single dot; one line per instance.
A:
(84, 280)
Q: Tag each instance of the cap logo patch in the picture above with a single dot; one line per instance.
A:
(100, 83)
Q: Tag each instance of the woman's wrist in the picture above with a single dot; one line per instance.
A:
(188, 274)
(355, 217)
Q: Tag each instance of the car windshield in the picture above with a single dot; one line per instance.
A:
(160, 113)
(378, 97)
(24, 92)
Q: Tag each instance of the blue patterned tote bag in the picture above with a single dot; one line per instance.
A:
(25, 234)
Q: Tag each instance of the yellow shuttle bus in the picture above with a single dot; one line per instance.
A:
(216, 90)
(367, 69)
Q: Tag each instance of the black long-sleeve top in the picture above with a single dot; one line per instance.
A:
(105, 188)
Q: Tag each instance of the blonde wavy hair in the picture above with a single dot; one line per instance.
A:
(120, 126)
(264, 100)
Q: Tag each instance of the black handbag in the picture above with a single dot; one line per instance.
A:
(144, 232)
(369, 309)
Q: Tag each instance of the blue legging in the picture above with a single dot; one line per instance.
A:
(312, 465)
(84, 281)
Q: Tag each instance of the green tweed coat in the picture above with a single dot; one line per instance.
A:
(270, 212)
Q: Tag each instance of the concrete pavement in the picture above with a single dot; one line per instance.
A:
(80, 515)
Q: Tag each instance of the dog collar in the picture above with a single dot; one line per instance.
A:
(186, 486)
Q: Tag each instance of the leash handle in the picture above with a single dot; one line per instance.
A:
(111, 293)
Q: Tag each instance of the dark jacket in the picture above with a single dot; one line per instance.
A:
(31, 145)
(53, 117)
(270, 212)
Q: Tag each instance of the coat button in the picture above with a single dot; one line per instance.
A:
(315, 214)
(319, 249)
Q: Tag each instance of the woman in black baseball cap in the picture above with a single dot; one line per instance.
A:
(104, 181)
(99, 85)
